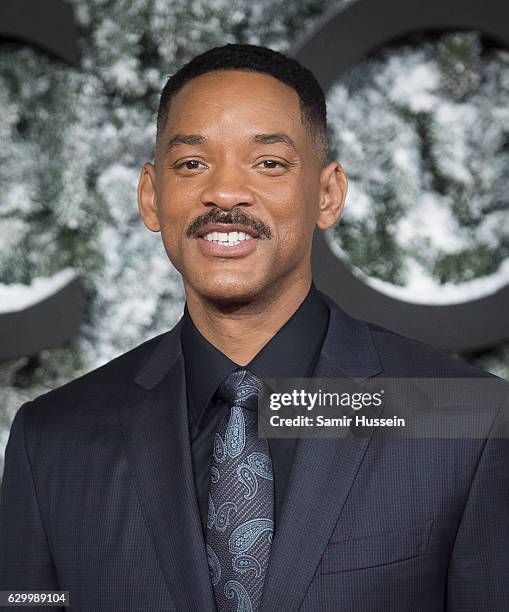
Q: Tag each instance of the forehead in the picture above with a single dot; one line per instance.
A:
(235, 101)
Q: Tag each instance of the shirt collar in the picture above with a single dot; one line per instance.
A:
(290, 353)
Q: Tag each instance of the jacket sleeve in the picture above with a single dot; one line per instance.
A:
(478, 577)
(25, 557)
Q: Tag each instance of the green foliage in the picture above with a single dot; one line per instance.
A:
(73, 141)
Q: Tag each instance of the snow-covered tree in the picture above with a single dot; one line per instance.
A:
(422, 133)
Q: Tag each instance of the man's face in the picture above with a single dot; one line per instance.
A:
(236, 186)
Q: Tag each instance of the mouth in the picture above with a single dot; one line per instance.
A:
(227, 234)
(227, 240)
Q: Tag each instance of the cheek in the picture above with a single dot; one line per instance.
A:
(172, 239)
(294, 221)
(170, 233)
(174, 207)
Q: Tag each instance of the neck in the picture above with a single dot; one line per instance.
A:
(240, 332)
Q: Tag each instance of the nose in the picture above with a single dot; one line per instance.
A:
(227, 187)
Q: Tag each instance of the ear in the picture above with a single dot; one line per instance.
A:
(147, 200)
(333, 188)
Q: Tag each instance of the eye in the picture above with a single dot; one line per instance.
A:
(191, 165)
(272, 164)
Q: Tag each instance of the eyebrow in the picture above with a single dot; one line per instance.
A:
(275, 138)
(185, 139)
(198, 139)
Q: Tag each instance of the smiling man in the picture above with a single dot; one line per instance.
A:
(146, 485)
(238, 187)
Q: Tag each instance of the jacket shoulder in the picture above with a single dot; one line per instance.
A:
(91, 394)
(404, 356)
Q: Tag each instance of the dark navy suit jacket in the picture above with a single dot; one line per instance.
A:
(98, 497)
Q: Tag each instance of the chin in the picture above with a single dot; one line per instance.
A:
(230, 291)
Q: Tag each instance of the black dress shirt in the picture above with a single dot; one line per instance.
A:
(291, 353)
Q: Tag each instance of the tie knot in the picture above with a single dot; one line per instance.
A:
(242, 388)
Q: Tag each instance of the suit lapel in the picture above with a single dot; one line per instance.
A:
(157, 444)
(322, 474)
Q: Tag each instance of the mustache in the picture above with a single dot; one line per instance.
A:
(233, 217)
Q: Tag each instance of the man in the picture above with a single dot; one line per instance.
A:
(144, 485)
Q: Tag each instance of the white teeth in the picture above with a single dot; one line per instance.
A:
(227, 238)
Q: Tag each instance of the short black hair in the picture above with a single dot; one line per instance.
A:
(254, 58)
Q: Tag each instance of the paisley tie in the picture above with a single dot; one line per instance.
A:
(240, 520)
